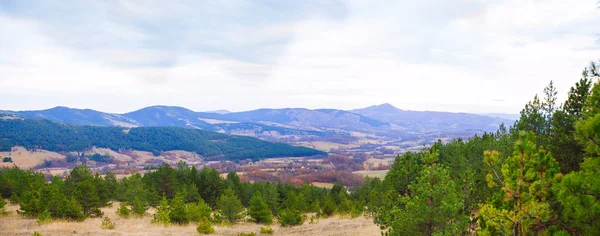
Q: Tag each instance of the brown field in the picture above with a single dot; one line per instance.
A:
(328, 146)
(27, 159)
(372, 173)
(14, 224)
(322, 185)
(379, 161)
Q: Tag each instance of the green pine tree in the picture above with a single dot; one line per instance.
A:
(566, 150)
(199, 212)
(523, 204)
(230, 206)
(138, 208)
(579, 192)
(434, 206)
(162, 212)
(259, 210)
(179, 212)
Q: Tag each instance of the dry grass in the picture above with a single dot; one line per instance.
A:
(376, 162)
(372, 173)
(322, 185)
(27, 159)
(14, 224)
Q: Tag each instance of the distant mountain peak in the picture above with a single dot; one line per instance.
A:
(163, 108)
(385, 107)
(61, 108)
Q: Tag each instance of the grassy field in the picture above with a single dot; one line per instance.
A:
(372, 173)
(28, 159)
(323, 185)
(15, 224)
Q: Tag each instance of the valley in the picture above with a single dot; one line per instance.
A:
(352, 144)
(375, 131)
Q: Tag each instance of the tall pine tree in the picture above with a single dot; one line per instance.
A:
(522, 206)
(434, 206)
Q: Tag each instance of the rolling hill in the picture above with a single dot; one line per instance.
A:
(60, 137)
(425, 121)
(293, 125)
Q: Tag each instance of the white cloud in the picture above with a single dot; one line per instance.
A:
(461, 55)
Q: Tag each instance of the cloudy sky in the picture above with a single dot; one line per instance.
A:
(447, 55)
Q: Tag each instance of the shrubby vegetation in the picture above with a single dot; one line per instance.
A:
(107, 224)
(267, 230)
(205, 227)
(289, 217)
(174, 194)
(247, 234)
(123, 211)
(3, 207)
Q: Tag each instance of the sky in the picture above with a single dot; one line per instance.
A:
(477, 56)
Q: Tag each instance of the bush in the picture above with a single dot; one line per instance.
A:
(36, 233)
(217, 218)
(138, 208)
(3, 211)
(30, 204)
(74, 211)
(329, 207)
(162, 213)
(44, 218)
(96, 212)
(247, 234)
(123, 211)
(14, 199)
(107, 224)
(290, 217)
(267, 230)
(205, 227)
(313, 220)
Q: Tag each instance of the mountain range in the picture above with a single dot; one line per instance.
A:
(290, 124)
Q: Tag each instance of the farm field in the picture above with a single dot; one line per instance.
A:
(323, 185)
(372, 173)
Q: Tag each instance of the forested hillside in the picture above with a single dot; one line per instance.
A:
(48, 135)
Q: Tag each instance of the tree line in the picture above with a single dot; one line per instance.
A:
(181, 195)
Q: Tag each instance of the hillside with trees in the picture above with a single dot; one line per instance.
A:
(48, 135)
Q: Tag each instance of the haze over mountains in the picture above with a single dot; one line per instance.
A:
(384, 122)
